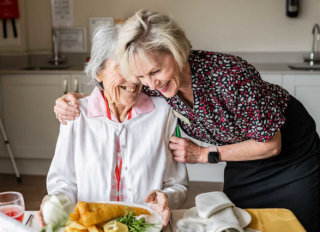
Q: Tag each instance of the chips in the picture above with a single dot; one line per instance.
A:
(73, 226)
(94, 229)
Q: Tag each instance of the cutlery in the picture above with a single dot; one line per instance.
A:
(29, 219)
(170, 223)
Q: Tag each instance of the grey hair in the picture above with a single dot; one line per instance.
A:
(150, 31)
(103, 47)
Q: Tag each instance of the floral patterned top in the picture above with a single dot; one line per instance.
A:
(231, 101)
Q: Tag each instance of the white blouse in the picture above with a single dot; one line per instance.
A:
(86, 154)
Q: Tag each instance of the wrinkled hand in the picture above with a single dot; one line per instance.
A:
(184, 150)
(159, 202)
(67, 107)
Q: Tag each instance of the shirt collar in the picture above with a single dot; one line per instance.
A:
(97, 107)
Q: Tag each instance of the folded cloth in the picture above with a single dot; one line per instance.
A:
(214, 213)
(212, 202)
(192, 224)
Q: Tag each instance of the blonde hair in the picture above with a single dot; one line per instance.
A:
(146, 32)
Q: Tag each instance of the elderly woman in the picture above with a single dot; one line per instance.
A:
(265, 135)
(114, 150)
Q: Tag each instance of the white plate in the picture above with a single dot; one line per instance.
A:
(154, 218)
(243, 216)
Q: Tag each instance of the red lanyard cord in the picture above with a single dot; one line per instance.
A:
(118, 176)
(118, 168)
(107, 106)
(130, 113)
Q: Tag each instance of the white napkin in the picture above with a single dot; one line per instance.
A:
(8, 224)
(211, 203)
(216, 213)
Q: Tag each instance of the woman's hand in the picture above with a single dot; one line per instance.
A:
(159, 202)
(67, 107)
(184, 150)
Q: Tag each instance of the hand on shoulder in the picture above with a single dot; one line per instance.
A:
(67, 107)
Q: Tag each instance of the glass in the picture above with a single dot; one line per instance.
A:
(12, 205)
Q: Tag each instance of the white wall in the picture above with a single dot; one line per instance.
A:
(221, 25)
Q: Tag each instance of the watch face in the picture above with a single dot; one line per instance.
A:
(213, 157)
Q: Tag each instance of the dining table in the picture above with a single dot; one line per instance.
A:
(266, 220)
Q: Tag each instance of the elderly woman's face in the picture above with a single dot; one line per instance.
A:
(159, 71)
(122, 92)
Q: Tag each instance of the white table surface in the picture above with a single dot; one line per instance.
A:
(34, 221)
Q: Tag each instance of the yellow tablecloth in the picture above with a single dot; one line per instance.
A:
(274, 220)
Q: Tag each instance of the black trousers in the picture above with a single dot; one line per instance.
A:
(289, 180)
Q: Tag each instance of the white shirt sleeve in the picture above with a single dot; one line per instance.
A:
(175, 181)
(61, 177)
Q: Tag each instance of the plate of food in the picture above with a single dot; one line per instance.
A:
(113, 217)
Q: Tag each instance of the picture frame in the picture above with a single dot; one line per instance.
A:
(72, 39)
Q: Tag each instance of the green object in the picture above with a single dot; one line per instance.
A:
(55, 228)
(134, 225)
(178, 132)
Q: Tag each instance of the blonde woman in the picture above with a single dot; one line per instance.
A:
(266, 136)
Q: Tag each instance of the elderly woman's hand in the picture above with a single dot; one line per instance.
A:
(184, 150)
(67, 107)
(159, 202)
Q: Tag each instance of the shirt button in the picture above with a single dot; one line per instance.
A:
(125, 168)
(129, 189)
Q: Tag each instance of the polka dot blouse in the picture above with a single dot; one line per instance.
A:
(231, 101)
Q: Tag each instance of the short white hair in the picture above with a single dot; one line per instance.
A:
(103, 47)
(149, 31)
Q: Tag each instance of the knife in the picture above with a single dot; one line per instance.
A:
(170, 223)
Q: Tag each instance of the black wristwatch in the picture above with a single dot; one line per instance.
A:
(213, 155)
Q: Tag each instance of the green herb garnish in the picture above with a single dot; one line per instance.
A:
(134, 224)
(54, 228)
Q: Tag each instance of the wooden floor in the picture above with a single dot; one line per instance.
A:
(33, 189)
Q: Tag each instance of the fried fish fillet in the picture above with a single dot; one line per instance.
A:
(90, 213)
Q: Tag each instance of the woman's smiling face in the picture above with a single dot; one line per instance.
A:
(121, 91)
(159, 71)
